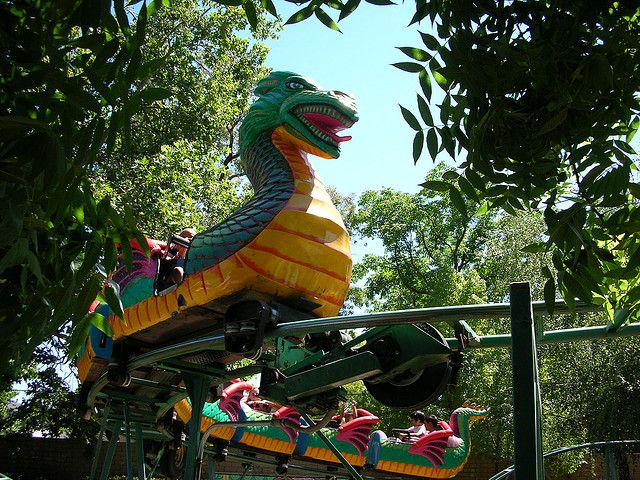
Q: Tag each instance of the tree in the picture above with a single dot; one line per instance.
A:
(66, 70)
(179, 169)
(409, 273)
(47, 404)
(431, 249)
(78, 85)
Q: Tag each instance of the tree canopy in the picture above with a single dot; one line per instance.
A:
(412, 271)
(540, 104)
(103, 110)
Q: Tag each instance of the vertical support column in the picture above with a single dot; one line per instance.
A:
(197, 388)
(96, 452)
(142, 475)
(527, 410)
(111, 450)
(127, 440)
(610, 467)
(211, 468)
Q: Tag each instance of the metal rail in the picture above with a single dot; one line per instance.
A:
(511, 469)
(449, 314)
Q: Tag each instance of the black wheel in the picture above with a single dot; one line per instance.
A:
(413, 390)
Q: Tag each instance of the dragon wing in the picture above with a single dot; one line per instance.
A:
(230, 399)
(288, 413)
(432, 446)
(357, 431)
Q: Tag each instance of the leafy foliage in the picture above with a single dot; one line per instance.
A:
(178, 170)
(583, 384)
(92, 129)
(431, 248)
(543, 98)
(66, 70)
(545, 103)
(47, 405)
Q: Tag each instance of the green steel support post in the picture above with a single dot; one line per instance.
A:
(197, 387)
(127, 441)
(111, 450)
(96, 452)
(355, 475)
(211, 468)
(527, 411)
(142, 475)
(610, 467)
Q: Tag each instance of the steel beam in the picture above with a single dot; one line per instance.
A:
(111, 450)
(198, 387)
(527, 410)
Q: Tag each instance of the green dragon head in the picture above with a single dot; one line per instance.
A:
(309, 114)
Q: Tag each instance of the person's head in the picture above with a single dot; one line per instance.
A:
(431, 423)
(188, 233)
(417, 417)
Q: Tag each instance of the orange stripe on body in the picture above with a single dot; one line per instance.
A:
(272, 251)
(329, 299)
(340, 245)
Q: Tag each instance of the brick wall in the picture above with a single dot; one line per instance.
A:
(66, 459)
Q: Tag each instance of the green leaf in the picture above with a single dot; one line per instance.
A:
(553, 123)
(110, 255)
(418, 144)
(80, 334)
(408, 67)
(550, 295)
(576, 288)
(112, 296)
(536, 247)
(450, 175)
(436, 185)
(625, 147)
(301, 14)
(15, 255)
(430, 41)
(380, 2)
(348, 9)
(327, 20)
(410, 119)
(467, 189)
(101, 323)
(483, 209)
(125, 249)
(269, 7)
(619, 317)
(425, 84)
(440, 80)
(250, 11)
(457, 201)
(425, 112)
(415, 53)
(432, 143)
(475, 179)
(633, 128)
(34, 266)
(121, 15)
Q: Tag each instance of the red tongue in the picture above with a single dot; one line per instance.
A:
(328, 125)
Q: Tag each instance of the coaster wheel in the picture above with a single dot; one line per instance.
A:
(409, 390)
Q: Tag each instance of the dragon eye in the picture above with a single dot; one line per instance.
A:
(295, 85)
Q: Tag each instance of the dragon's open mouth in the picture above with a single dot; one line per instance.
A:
(325, 122)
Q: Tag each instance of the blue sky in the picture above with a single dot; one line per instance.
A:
(358, 62)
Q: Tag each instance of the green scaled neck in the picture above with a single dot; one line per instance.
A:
(272, 180)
